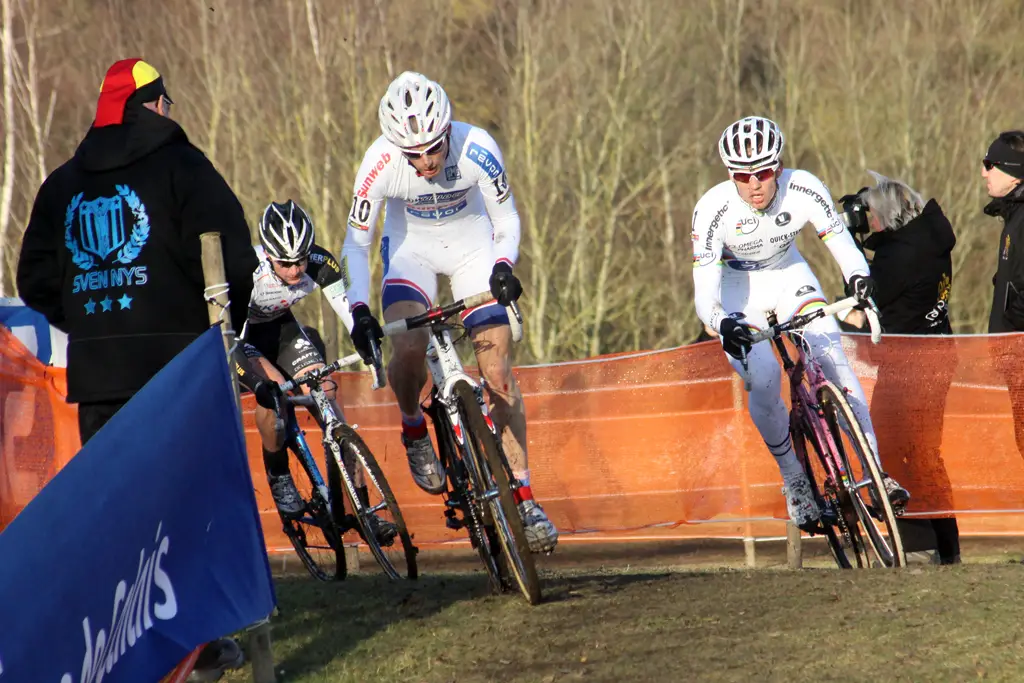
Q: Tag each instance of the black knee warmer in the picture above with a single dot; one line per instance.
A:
(276, 462)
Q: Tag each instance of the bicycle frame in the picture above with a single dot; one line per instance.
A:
(446, 369)
(322, 409)
(805, 379)
(295, 434)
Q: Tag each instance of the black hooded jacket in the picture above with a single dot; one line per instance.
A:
(1008, 300)
(913, 271)
(112, 256)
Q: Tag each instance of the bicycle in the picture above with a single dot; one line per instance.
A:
(479, 489)
(317, 533)
(849, 491)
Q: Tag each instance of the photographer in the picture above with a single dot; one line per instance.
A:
(911, 241)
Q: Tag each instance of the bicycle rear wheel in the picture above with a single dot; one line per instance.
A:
(314, 535)
(483, 450)
(397, 557)
(844, 540)
(863, 478)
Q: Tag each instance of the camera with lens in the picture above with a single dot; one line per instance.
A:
(855, 213)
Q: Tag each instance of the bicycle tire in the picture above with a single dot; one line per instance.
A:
(836, 407)
(504, 513)
(482, 541)
(803, 435)
(315, 557)
(395, 564)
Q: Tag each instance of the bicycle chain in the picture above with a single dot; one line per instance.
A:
(830, 491)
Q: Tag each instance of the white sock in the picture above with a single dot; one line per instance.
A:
(789, 464)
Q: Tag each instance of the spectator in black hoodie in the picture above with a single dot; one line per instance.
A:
(111, 254)
(912, 266)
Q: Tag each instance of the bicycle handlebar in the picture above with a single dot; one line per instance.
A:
(314, 376)
(798, 321)
(442, 313)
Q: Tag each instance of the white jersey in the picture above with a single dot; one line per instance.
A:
(271, 297)
(731, 239)
(470, 200)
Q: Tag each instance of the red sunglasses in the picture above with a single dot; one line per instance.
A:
(743, 177)
(429, 151)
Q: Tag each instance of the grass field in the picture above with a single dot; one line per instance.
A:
(652, 623)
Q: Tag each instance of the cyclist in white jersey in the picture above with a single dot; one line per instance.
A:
(448, 211)
(276, 348)
(745, 264)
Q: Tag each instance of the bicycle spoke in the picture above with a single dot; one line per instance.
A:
(503, 511)
(863, 480)
(314, 535)
(377, 519)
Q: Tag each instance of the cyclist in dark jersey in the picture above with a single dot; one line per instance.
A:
(275, 347)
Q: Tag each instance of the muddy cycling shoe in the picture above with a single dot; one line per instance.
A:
(426, 469)
(286, 496)
(383, 531)
(541, 534)
(216, 658)
(800, 503)
(898, 496)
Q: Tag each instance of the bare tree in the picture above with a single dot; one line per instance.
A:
(607, 112)
(10, 139)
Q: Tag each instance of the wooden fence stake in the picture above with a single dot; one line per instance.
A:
(794, 549)
(260, 649)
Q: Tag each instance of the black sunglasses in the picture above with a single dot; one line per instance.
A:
(429, 151)
(989, 164)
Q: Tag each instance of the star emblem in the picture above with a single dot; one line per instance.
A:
(90, 306)
(125, 301)
(106, 303)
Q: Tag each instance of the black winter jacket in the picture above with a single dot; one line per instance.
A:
(111, 254)
(913, 271)
(1008, 300)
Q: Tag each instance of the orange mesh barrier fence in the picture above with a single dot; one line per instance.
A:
(38, 430)
(653, 445)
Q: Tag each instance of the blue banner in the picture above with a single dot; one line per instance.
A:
(145, 546)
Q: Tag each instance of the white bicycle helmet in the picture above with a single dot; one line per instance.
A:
(286, 232)
(414, 111)
(751, 143)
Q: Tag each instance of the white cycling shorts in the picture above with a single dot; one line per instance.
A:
(413, 258)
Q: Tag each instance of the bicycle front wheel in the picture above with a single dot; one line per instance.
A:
(862, 478)
(460, 496)
(314, 534)
(379, 517)
(498, 494)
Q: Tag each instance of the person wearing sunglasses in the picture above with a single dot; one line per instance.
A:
(745, 264)
(449, 211)
(1003, 170)
(276, 347)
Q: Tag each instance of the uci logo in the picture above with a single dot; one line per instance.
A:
(745, 226)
